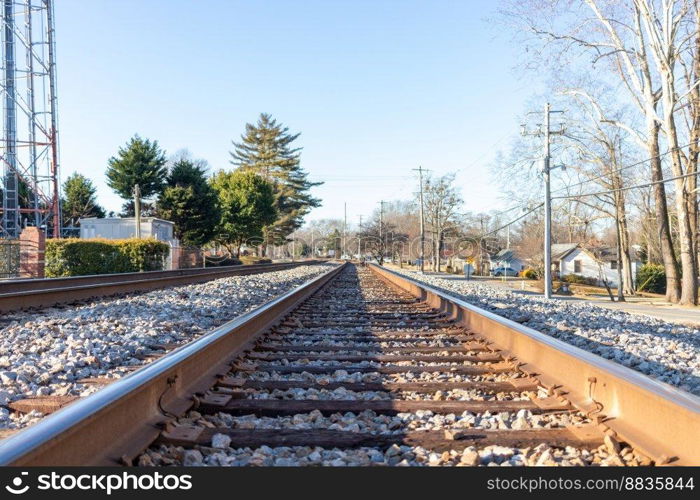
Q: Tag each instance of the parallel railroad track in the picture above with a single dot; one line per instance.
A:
(36, 293)
(365, 361)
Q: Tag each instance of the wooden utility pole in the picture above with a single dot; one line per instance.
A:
(359, 242)
(422, 220)
(381, 233)
(345, 227)
(137, 210)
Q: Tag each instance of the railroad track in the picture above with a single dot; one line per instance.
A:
(36, 293)
(362, 366)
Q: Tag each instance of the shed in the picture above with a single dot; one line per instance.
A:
(116, 228)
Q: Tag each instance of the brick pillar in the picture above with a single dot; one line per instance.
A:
(32, 243)
(175, 257)
(196, 258)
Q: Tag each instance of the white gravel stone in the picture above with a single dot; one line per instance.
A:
(220, 441)
(192, 458)
(394, 456)
(665, 351)
(49, 351)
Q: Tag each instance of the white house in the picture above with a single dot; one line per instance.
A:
(506, 258)
(572, 258)
(610, 260)
(116, 228)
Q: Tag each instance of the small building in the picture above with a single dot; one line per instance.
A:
(572, 258)
(117, 228)
(608, 256)
(506, 258)
(596, 263)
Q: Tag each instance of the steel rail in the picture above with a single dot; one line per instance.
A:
(656, 418)
(113, 425)
(29, 284)
(23, 294)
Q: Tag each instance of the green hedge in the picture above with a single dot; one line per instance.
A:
(78, 257)
(651, 278)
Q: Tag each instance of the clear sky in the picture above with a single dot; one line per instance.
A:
(376, 87)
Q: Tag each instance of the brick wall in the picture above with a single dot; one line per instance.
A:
(32, 243)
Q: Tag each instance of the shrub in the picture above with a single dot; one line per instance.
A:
(80, 257)
(651, 278)
(577, 279)
(529, 273)
(144, 254)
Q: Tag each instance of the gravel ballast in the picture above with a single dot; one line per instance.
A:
(47, 353)
(665, 351)
(376, 329)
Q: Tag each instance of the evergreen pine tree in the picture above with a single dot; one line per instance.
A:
(79, 200)
(247, 204)
(190, 202)
(140, 162)
(266, 149)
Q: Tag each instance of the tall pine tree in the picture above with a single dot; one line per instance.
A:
(79, 200)
(266, 149)
(140, 162)
(190, 202)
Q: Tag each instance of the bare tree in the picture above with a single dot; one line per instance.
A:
(662, 25)
(640, 40)
(442, 203)
(380, 238)
(599, 151)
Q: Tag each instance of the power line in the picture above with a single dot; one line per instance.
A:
(521, 206)
(514, 220)
(661, 155)
(487, 153)
(639, 186)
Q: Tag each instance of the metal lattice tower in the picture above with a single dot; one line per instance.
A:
(29, 138)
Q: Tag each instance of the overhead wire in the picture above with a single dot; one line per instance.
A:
(632, 165)
(638, 186)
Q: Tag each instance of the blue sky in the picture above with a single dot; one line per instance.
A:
(375, 87)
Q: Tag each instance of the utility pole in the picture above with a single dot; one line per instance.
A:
(359, 242)
(422, 221)
(481, 245)
(294, 246)
(313, 251)
(381, 232)
(546, 170)
(137, 210)
(345, 227)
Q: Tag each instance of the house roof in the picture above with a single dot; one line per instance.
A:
(602, 254)
(609, 254)
(109, 220)
(505, 254)
(561, 250)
